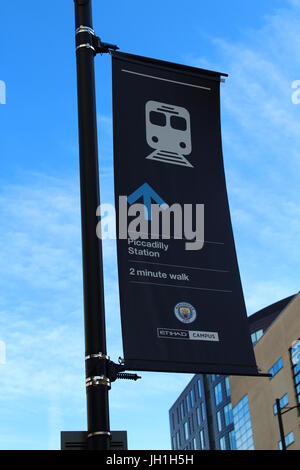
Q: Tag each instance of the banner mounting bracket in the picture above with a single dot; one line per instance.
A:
(104, 47)
(117, 371)
(86, 37)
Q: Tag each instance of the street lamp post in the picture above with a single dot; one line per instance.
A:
(280, 424)
(280, 413)
(100, 370)
(97, 381)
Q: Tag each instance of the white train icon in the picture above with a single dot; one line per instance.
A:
(168, 131)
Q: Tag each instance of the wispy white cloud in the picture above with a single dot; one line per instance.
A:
(40, 307)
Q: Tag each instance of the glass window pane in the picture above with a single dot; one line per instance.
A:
(181, 410)
(219, 419)
(276, 368)
(198, 416)
(218, 393)
(186, 430)
(222, 443)
(203, 411)
(192, 398)
(242, 425)
(199, 388)
(228, 414)
(227, 385)
(232, 440)
(188, 405)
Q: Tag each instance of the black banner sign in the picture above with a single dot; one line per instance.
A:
(182, 304)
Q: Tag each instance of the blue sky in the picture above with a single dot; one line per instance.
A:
(41, 319)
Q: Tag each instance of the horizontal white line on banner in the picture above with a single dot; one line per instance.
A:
(179, 266)
(183, 287)
(159, 238)
(166, 80)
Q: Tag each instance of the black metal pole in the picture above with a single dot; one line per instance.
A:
(280, 423)
(94, 316)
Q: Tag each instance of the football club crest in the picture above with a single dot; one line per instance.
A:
(185, 312)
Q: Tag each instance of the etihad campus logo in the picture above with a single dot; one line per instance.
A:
(185, 313)
(157, 221)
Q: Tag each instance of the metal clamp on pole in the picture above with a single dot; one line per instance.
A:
(99, 433)
(97, 380)
(97, 356)
(86, 38)
(97, 370)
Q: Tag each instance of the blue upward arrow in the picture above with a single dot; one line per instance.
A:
(148, 194)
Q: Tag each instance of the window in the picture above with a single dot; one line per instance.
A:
(174, 443)
(203, 411)
(227, 385)
(219, 419)
(297, 369)
(232, 441)
(242, 425)
(295, 360)
(181, 411)
(194, 444)
(276, 368)
(289, 439)
(186, 431)
(191, 423)
(256, 336)
(198, 416)
(283, 402)
(228, 414)
(214, 377)
(298, 393)
(188, 404)
(222, 443)
(178, 440)
(202, 439)
(296, 373)
(218, 393)
(199, 388)
(192, 398)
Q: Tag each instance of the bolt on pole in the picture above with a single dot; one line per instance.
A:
(97, 383)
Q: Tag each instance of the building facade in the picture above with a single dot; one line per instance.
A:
(253, 399)
(202, 417)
